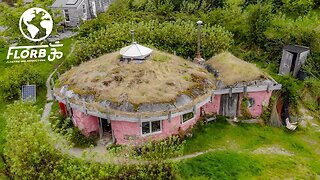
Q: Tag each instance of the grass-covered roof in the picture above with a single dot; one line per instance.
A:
(233, 70)
(162, 78)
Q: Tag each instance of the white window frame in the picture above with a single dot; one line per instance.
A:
(65, 17)
(181, 117)
(84, 11)
(84, 8)
(150, 127)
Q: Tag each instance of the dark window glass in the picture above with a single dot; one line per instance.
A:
(251, 102)
(66, 13)
(187, 117)
(145, 127)
(156, 127)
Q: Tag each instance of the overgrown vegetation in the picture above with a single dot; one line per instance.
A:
(14, 77)
(30, 153)
(168, 148)
(64, 126)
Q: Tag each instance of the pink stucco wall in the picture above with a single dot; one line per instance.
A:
(260, 98)
(86, 123)
(213, 107)
(130, 132)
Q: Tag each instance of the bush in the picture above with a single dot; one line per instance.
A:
(3, 43)
(304, 31)
(153, 150)
(297, 7)
(168, 36)
(14, 77)
(30, 154)
(81, 140)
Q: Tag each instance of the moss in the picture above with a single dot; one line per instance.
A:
(187, 77)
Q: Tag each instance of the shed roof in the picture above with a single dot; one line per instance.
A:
(296, 48)
(64, 3)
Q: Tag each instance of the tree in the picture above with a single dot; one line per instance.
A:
(10, 16)
(297, 7)
(258, 21)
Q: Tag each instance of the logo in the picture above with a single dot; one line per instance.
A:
(36, 24)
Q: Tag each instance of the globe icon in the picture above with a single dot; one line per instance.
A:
(36, 24)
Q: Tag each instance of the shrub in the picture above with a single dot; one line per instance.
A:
(292, 87)
(15, 76)
(3, 43)
(30, 154)
(297, 7)
(81, 140)
(160, 35)
(153, 150)
(304, 31)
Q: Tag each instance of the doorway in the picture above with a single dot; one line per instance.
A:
(105, 131)
(229, 105)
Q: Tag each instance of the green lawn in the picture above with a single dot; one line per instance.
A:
(234, 159)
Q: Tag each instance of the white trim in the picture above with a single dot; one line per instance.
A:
(165, 117)
(84, 14)
(65, 17)
(193, 118)
(150, 128)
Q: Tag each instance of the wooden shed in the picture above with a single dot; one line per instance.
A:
(293, 57)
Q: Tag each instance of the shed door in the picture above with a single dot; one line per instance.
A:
(229, 105)
(286, 63)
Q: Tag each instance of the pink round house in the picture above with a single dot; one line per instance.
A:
(139, 94)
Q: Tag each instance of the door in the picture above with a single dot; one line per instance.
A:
(229, 105)
(286, 63)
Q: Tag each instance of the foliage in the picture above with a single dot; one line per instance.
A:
(292, 87)
(312, 66)
(297, 7)
(245, 113)
(302, 31)
(14, 77)
(30, 154)
(258, 20)
(232, 17)
(81, 140)
(159, 35)
(153, 150)
(311, 94)
(9, 18)
(65, 126)
(3, 43)
(28, 150)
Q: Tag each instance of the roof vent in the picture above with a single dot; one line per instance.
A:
(135, 51)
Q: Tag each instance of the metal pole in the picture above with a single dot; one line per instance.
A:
(198, 55)
(132, 34)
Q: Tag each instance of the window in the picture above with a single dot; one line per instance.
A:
(84, 9)
(151, 127)
(186, 117)
(66, 15)
(250, 102)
